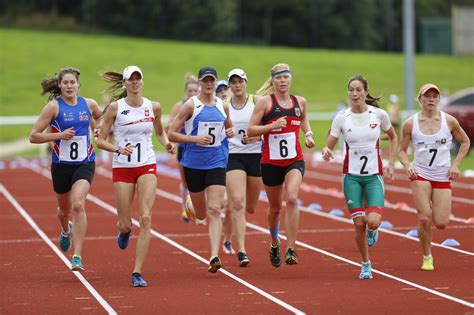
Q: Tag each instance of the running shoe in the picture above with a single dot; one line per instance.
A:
(290, 257)
(274, 254)
(184, 216)
(138, 281)
(227, 248)
(372, 237)
(366, 271)
(214, 264)
(189, 210)
(201, 222)
(243, 259)
(427, 264)
(122, 239)
(65, 239)
(76, 263)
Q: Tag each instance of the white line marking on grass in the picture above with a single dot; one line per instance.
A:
(45, 238)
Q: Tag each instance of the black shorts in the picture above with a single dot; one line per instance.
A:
(65, 175)
(275, 175)
(197, 180)
(248, 162)
(180, 153)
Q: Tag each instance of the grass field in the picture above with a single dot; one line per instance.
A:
(319, 75)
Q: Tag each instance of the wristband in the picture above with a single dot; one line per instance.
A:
(117, 150)
(309, 133)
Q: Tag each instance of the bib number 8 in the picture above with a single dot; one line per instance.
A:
(74, 153)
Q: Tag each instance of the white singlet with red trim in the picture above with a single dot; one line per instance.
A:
(361, 133)
(432, 158)
(134, 125)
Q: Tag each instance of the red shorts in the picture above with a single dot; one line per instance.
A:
(437, 185)
(131, 174)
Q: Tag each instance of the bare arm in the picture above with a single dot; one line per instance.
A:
(48, 114)
(173, 114)
(185, 112)
(229, 130)
(327, 150)
(460, 135)
(404, 143)
(255, 128)
(162, 136)
(392, 151)
(305, 125)
(96, 113)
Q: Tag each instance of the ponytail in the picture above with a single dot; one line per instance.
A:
(116, 88)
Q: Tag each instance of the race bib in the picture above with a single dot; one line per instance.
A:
(282, 146)
(363, 162)
(214, 129)
(139, 154)
(241, 132)
(433, 155)
(74, 149)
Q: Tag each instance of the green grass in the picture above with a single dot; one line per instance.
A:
(319, 75)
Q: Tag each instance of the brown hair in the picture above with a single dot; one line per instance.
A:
(371, 100)
(267, 87)
(51, 84)
(116, 89)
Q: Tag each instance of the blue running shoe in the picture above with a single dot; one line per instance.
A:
(122, 239)
(137, 280)
(372, 237)
(65, 239)
(76, 263)
(366, 271)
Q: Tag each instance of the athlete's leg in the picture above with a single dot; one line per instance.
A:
(422, 197)
(253, 193)
(64, 210)
(236, 181)
(146, 186)
(78, 196)
(214, 197)
(293, 181)
(124, 193)
(441, 207)
(275, 200)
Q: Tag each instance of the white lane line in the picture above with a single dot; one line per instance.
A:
(45, 238)
(165, 194)
(404, 190)
(326, 253)
(321, 251)
(170, 196)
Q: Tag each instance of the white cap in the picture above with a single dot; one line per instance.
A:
(128, 71)
(238, 72)
(392, 98)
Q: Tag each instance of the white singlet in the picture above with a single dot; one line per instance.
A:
(432, 158)
(134, 125)
(240, 118)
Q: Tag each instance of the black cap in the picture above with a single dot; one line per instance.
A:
(207, 72)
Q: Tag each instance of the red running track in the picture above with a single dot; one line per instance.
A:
(36, 280)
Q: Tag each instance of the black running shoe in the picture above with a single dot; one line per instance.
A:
(243, 259)
(274, 254)
(290, 257)
(214, 264)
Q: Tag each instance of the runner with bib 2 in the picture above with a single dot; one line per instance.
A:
(362, 178)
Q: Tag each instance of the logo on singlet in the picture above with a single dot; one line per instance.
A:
(147, 112)
(125, 112)
(373, 126)
(297, 112)
(199, 106)
(443, 141)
